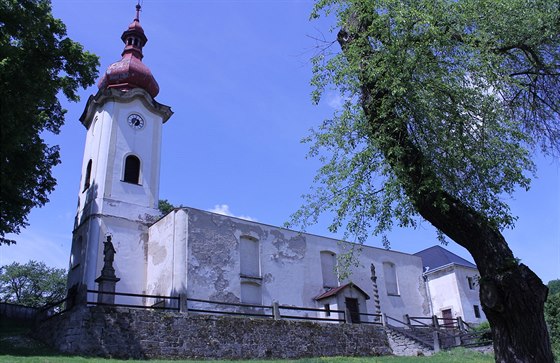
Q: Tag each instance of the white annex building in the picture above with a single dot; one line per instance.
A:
(214, 257)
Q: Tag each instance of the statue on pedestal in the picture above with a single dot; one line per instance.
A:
(108, 280)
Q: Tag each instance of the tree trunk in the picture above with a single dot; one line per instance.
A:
(512, 295)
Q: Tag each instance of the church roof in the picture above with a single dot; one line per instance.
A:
(336, 290)
(130, 72)
(437, 256)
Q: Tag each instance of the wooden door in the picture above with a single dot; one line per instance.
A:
(353, 308)
(447, 318)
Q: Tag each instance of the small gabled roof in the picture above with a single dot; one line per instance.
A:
(437, 256)
(336, 290)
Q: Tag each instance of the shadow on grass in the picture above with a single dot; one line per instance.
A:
(15, 340)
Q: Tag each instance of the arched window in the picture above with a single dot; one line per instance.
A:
(390, 274)
(76, 253)
(132, 169)
(249, 257)
(328, 268)
(87, 180)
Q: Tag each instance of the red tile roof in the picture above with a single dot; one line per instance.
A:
(336, 290)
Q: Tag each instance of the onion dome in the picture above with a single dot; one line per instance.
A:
(130, 72)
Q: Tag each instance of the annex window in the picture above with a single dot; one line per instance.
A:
(472, 282)
(132, 169)
(328, 268)
(87, 179)
(390, 274)
(251, 293)
(249, 257)
(476, 311)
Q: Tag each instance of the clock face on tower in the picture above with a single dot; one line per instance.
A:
(135, 121)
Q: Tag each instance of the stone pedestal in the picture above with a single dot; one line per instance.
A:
(107, 285)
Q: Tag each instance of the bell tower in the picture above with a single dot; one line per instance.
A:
(119, 188)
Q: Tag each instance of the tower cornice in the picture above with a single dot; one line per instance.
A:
(112, 94)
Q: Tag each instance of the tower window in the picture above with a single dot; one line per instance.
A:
(88, 175)
(75, 256)
(132, 169)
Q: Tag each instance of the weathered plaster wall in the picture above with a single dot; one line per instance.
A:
(134, 333)
(290, 264)
(167, 255)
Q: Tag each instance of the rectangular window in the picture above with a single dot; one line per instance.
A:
(390, 274)
(249, 257)
(328, 268)
(251, 293)
(476, 311)
(472, 282)
(327, 310)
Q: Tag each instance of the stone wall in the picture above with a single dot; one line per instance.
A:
(134, 333)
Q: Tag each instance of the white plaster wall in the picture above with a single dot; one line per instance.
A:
(110, 206)
(444, 292)
(469, 297)
(449, 289)
(290, 264)
(144, 143)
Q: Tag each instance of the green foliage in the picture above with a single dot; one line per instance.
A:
(552, 317)
(553, 287)
(32, 284)
(485, 334)
(37, 61)
(474, 92)
(165, 207)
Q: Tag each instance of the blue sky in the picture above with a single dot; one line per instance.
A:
(236, 74)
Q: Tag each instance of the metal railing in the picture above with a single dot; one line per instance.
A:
(328, 315)
(51, 310)
(454, 332)
(162, 302)
(376, 319)
(246, 309)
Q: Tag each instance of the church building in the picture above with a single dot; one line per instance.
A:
(204, 255)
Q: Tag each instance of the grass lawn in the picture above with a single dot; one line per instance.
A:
(16, 347)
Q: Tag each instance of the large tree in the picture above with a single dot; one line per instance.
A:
(444, 104)
(37, 61)
(32, 284)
